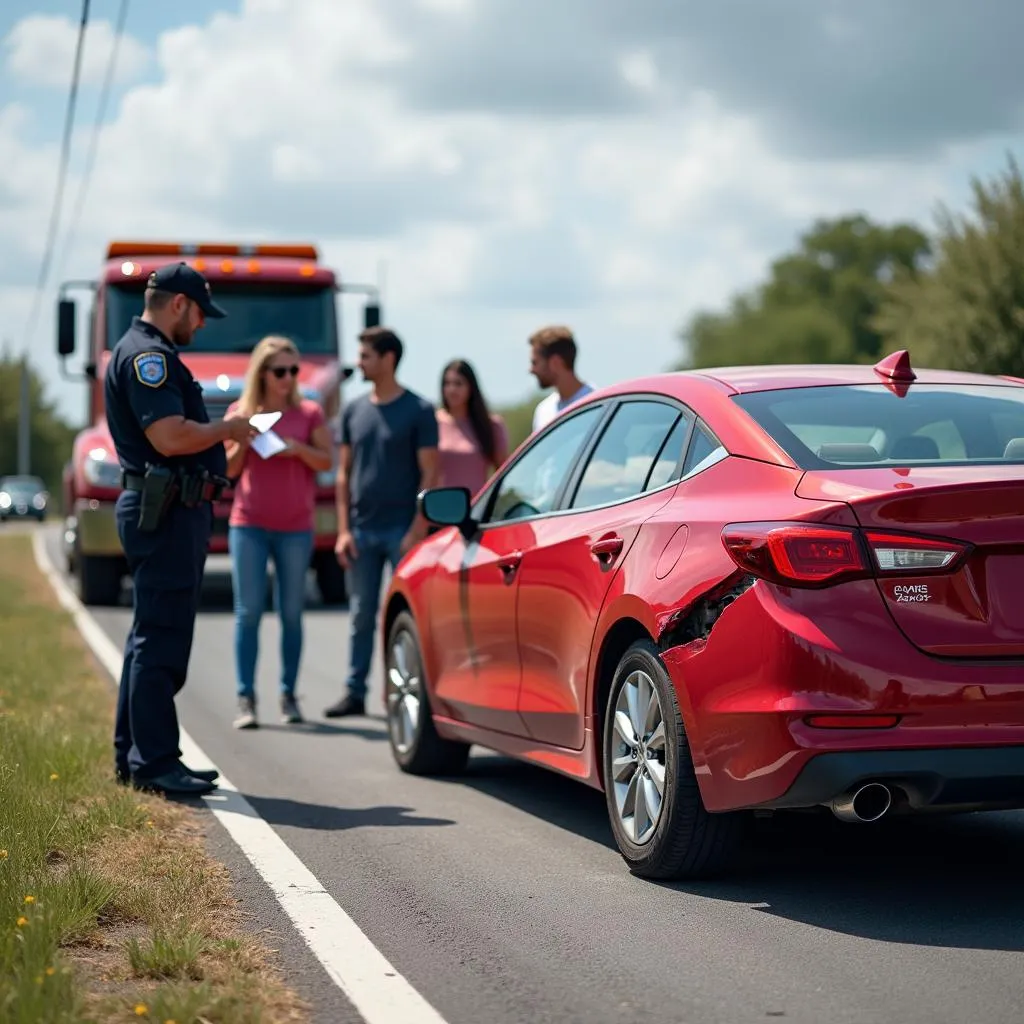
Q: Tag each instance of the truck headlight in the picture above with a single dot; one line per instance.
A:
(39, 502)
(101, 470)
(5, 500)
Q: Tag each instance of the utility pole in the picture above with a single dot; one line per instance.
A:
(24, 420)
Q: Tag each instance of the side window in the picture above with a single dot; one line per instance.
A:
(531, 485)
(705, 450)
(622, 460)
(669, 456)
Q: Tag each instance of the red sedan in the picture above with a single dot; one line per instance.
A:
(714, 592)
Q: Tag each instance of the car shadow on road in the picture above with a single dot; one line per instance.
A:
(322, 817)
(952, 881)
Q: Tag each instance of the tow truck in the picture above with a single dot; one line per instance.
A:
(265, 288)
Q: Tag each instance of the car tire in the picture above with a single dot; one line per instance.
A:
(415, 744)
(681, 840)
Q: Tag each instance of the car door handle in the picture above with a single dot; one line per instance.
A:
(606, 549)
(508, 564)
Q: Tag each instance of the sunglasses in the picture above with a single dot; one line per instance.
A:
(280, 371)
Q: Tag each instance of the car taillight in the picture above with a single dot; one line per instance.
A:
(894, 553)
(809, 555)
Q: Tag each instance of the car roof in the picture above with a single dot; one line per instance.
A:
(770, 377)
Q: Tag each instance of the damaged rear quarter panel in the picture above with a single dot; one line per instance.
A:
(705, 587)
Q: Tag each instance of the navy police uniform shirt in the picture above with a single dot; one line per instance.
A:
(146, 381)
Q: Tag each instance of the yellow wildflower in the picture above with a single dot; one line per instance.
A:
(141, 1010)
(54, 777)
(22, 921)
(30, 899)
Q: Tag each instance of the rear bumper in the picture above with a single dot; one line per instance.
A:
(749, 689)
(942, 779)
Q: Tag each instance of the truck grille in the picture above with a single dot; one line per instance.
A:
(217, 405)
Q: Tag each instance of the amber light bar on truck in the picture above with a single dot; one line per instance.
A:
(809, 555)
(299, 250)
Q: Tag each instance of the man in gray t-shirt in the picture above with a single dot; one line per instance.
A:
(388, 455)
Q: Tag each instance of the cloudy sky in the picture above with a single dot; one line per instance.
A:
(611, 164)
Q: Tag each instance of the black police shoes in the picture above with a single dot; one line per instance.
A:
(206, 774)
(176, 782)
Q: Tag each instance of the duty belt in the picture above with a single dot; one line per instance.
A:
(194, 487)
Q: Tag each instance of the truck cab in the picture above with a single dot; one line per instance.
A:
(265, 289)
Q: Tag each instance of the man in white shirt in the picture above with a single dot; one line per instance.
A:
(553, 363)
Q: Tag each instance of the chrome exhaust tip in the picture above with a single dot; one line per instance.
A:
(869, 802)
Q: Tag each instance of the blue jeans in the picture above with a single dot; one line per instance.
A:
(251, 547)
(365, 575)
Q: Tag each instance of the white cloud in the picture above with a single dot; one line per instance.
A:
(41, 50)
(287, 121)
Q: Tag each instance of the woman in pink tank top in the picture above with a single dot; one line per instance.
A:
(472, 442)
(272, 517)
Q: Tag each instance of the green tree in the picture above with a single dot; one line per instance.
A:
(967, 313)
(818, 303)
(50, 437)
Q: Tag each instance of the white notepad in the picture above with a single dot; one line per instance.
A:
(267, 444)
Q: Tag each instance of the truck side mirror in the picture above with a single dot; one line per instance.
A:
(65, 327)
(371, 315)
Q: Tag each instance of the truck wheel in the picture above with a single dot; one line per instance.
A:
(330, 579)
(99, 580)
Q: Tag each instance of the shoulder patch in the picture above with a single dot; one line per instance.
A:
(150, 368)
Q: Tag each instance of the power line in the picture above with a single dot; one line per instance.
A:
(69, 122)
(90, 160)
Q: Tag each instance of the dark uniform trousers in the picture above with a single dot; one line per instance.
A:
(167, 568)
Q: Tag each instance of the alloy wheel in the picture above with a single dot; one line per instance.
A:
(404, 691)
(638, 757)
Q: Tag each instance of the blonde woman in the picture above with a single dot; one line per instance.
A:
(272, 517)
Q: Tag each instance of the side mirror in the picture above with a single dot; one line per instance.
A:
(65, 327)
(446, 506)
(371, 315)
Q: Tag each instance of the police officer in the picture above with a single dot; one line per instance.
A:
(173, 464)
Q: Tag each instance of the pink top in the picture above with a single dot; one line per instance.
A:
(461, 461)
(279, 493)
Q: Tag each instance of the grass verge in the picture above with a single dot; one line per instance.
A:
(110, 908)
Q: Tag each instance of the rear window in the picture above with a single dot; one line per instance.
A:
(869, 425)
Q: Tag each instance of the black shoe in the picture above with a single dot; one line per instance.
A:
(206, 774)
(348, 705)
(124, 776)
(176, 782)
(290, 713)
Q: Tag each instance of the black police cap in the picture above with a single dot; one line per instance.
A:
(181, 279)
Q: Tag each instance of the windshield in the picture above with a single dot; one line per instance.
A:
(304, 313)
(868, 424)
(21, 484)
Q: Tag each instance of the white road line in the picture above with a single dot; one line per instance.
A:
(358, 968)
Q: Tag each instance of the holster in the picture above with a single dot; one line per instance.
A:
(158, 492)
(201, 485)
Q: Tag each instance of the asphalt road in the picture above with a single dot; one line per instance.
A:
(501, 897)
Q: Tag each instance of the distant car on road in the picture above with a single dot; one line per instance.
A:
(719, 591)
(23, 497)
